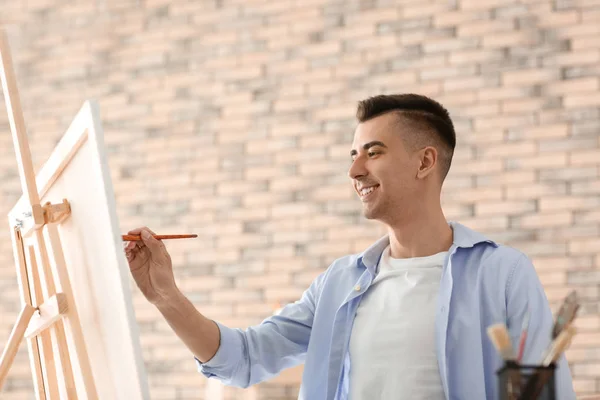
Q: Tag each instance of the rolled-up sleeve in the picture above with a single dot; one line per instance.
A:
(229, 353)
(249, 356)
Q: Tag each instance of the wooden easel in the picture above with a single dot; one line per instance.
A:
(48, 319)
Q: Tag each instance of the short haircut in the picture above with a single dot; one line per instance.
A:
(428, 120)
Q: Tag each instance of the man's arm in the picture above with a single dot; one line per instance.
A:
(198, 333)
(525, 292)
(238, 358)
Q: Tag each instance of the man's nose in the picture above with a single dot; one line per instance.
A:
(357, 169)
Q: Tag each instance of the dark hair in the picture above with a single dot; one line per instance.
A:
(430, 120)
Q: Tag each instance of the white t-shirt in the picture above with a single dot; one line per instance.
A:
(392, 345)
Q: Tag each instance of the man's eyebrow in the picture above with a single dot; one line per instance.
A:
(367, 146)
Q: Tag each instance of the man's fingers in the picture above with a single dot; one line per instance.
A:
(152, 243)
(138, 231)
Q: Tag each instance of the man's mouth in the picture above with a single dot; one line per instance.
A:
(366, 192)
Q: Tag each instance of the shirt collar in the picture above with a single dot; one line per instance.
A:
(463, 237)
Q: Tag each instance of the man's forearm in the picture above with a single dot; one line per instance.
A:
(200, 334)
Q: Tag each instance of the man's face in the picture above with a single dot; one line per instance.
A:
(383, 172)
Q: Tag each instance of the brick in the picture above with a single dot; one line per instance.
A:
(519, 106)
(509, 40)
(450, 45)
(510, 149)
(513, 178)
(475, 56)
(582, 57)
(585, 187)
(583, 385)
(543, 220)
(478, 167)
(504, 122)
(587, 84)
(419, 9)
(374, 16)
(527, 77)
(578, 31)
(546, 131)
(505, 208)
(585, 157)
(488, 223)
(557, 19)
(537, 249)
(459, 17)
(535, 190)
(584, 246)
(502, 93)
(581, 100)
(476, 195)
(565, 174)
(579, 354)
(322, 49)
(485, 27)
(560, 263)
(551, 160)
(476, 5)
(571, 143)
(584, 42)
(558, 203)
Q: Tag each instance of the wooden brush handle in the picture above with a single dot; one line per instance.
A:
(132, 238)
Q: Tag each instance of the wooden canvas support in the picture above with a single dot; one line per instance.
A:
(96, 353)
(45, 331)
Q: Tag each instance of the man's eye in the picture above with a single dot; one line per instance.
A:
(373, 153)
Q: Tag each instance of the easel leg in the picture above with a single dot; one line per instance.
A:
(26, 298)
(44, 343)
(14, 341)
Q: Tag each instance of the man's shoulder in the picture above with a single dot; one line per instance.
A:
(343, 271)
(345, 264)
(506, 254)
(487, 247)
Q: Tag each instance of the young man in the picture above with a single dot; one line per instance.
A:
(406, 318)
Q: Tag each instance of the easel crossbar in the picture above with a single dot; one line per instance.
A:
(50, 312)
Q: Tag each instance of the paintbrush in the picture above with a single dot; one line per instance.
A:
(133, 238)
(500, 338)
(537, 381)
(559, 345)
(501, 341)
(523, 337)
(566, 314)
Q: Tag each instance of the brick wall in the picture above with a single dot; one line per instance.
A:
(233, 119)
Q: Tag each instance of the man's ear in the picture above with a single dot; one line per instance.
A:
(427, 161)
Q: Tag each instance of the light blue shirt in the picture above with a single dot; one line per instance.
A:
(482, 283)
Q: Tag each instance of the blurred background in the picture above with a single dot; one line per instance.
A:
(233, 119)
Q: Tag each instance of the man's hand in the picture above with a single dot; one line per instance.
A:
(151, 267)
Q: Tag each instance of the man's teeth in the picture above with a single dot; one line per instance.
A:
(366, 191)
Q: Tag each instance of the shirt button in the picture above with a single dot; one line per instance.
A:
(357, 288)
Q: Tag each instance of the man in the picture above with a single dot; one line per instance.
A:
(406, 318)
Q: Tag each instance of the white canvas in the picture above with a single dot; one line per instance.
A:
(92, 249)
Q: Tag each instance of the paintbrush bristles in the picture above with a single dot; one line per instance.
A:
(501, 341)
(559, 345)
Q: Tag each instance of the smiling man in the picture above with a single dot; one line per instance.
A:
(404, 319)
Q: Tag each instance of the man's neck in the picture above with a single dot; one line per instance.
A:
(420, 237)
